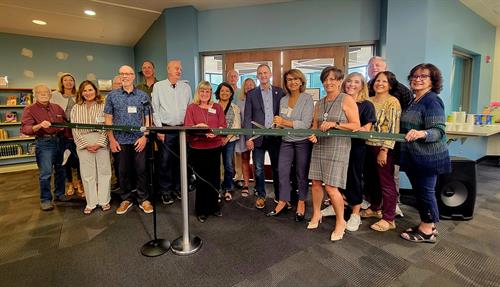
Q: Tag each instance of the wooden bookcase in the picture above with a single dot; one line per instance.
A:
(14, 147)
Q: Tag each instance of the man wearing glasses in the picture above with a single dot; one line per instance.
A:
(128, 106)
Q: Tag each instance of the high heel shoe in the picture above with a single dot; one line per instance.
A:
(314, 225)
(277, 213)
(299, 217)
(338, 236)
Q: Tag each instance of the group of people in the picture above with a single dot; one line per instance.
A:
(349, 170)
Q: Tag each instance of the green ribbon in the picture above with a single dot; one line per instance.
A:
(248, 132)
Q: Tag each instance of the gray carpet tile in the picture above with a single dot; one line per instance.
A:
(243, 248)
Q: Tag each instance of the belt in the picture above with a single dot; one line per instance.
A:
(49, 136)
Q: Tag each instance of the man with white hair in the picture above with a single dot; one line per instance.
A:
(127, 106)
(37, 121)
(170, 99)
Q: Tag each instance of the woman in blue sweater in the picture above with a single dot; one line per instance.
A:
(425, 154)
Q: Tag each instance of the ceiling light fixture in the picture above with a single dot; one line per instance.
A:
(39, 22)
(89, 12)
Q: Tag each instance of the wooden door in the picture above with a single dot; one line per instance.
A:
(274, 56)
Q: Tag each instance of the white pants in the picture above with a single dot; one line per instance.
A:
(95, 169)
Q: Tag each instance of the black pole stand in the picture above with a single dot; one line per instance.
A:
(155, 247)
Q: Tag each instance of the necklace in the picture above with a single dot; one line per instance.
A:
(327, 111)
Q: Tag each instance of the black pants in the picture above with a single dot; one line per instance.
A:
(206, 163)
(133, 173)
(169, 170)
(72, 162)
(354, 185)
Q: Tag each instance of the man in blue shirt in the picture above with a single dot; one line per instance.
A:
(170, 100)
(261, 106)
(128, 106)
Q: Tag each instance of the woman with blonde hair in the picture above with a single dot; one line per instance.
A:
(206, 150)
(65, 97)
(92, 147)
(355, 86)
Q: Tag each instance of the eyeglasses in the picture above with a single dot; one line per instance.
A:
(420, 77)
(126, 74)
(292, 79)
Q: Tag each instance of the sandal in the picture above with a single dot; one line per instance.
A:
(87, 210)
(327, 202)
(418, 236)
(383, 225)
(106, 207)
(368, 213)
(228, 197)
(244, 191)
(412, 229)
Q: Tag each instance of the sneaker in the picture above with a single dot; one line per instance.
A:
(177, 194)
(63, 198)
(146, 206)
(66, 155)
(399, 213)
(46, 206)
(260, 203)
(167, 199)
(124, 206)
(353, 223)
(365, 204)
(115, 187)
(328, 211)
(218, 213)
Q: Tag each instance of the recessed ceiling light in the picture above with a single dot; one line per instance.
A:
(39, 22)
(89, 12)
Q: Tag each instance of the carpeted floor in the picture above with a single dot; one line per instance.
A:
(242, 248)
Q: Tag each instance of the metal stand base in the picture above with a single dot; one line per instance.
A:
(155, 248)
(180, 248)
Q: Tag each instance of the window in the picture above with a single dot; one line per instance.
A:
(212, 70)
(358, 59)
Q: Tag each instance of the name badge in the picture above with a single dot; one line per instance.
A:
(284, 111)
(132, 110)
(212, 111)
(289, 112)
(99, 119)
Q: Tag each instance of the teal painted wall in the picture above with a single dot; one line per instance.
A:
(45, 66)
(153, 47)
(182, 41)
(297, 23)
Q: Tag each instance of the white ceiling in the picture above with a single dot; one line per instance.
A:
(118, 22)
(488, 9)
(123, 22)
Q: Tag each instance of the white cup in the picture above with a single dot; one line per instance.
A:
(461, 117)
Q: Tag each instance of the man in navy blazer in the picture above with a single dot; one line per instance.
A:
(261, 105)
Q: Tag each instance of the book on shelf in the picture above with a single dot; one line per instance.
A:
(3, 134)
(25, 99)
(10, 117)
(10, 150)
(11, 101)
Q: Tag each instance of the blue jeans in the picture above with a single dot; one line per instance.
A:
(272, 146)
(49, 155)
(227, 160)
(424, 187)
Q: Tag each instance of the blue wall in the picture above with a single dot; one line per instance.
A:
(182, 43)
(289, 24)
(153, 47)
(45, 66)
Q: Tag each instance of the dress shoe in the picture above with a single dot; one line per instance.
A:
(218, 213)
(314, 225)
(299, 217)
(202, 218)
(277, 213)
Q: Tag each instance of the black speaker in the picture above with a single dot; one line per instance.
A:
(456, 191)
